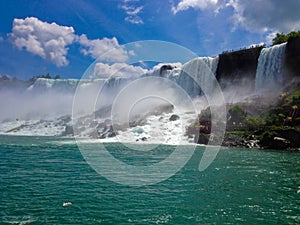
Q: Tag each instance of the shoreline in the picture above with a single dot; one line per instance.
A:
(245, 144)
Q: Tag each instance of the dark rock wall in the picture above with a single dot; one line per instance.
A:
(238, 69)
(292, 58)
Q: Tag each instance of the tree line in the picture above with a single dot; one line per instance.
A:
(281, 37)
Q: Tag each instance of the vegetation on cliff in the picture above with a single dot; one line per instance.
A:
(251, 123)
(281, 37)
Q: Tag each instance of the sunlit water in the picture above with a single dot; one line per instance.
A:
(241, 186)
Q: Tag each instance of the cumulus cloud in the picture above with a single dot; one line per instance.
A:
(47, 40)
(103, 49)
(132, 11)
(270, 36)
(50, 41)
(262, 16)
(256, 15)
(197, 4)
(102, 70)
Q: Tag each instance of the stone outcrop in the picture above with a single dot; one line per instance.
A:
(292, 58)
(238, 68)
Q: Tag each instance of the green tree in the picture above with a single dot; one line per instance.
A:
(237, 114)
(281, 37)
(253, 121)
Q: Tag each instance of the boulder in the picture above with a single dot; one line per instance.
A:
(174, 117)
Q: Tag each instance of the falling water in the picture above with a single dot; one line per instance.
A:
(269, 74)
(197, 76)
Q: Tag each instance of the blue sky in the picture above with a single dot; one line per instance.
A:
(31, 44)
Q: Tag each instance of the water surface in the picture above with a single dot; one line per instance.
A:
(242, 186)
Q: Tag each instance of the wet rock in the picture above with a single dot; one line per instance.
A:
(106, 132)
(201, 139)
(68, 130)
(141, 139)
(138, 122)
(174, 117)
(280, 143)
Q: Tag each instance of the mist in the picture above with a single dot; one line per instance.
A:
(29, 105)
(132, 99)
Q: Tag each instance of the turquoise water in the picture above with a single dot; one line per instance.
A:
(240, 187)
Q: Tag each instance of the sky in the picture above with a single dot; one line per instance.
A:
(65, 37)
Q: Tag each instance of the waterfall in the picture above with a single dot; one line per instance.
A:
(202, 69)
(269, 73)
(114, 83)
(69, 85)
(63, 85)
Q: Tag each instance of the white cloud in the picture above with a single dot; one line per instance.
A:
(256, 45)
(105, 49)
(270, 37)
(50, 41)
(197, 4)
(134, 19)
(125, 1)
(267, 15)
(47, 40)
(132, 12)
(102, 70)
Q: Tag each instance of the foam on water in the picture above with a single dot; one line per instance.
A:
(159, 129)
(32, 128)
(19, 220)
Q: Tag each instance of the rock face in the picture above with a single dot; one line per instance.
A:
(281, 139)
(238, 69)
(201, 139)
(292, 58)
(165, 70)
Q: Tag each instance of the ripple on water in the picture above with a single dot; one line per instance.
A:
(240, 186)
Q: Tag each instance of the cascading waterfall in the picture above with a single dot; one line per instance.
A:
(269, 74)
(114, 83)
(202, 69)
(69, 85)
(64, 85)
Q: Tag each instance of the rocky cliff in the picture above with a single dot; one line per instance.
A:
(238, 68)
(292, 58)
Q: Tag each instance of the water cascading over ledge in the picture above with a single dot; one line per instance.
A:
(270, 69)
(243, 72)
(202, 69)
